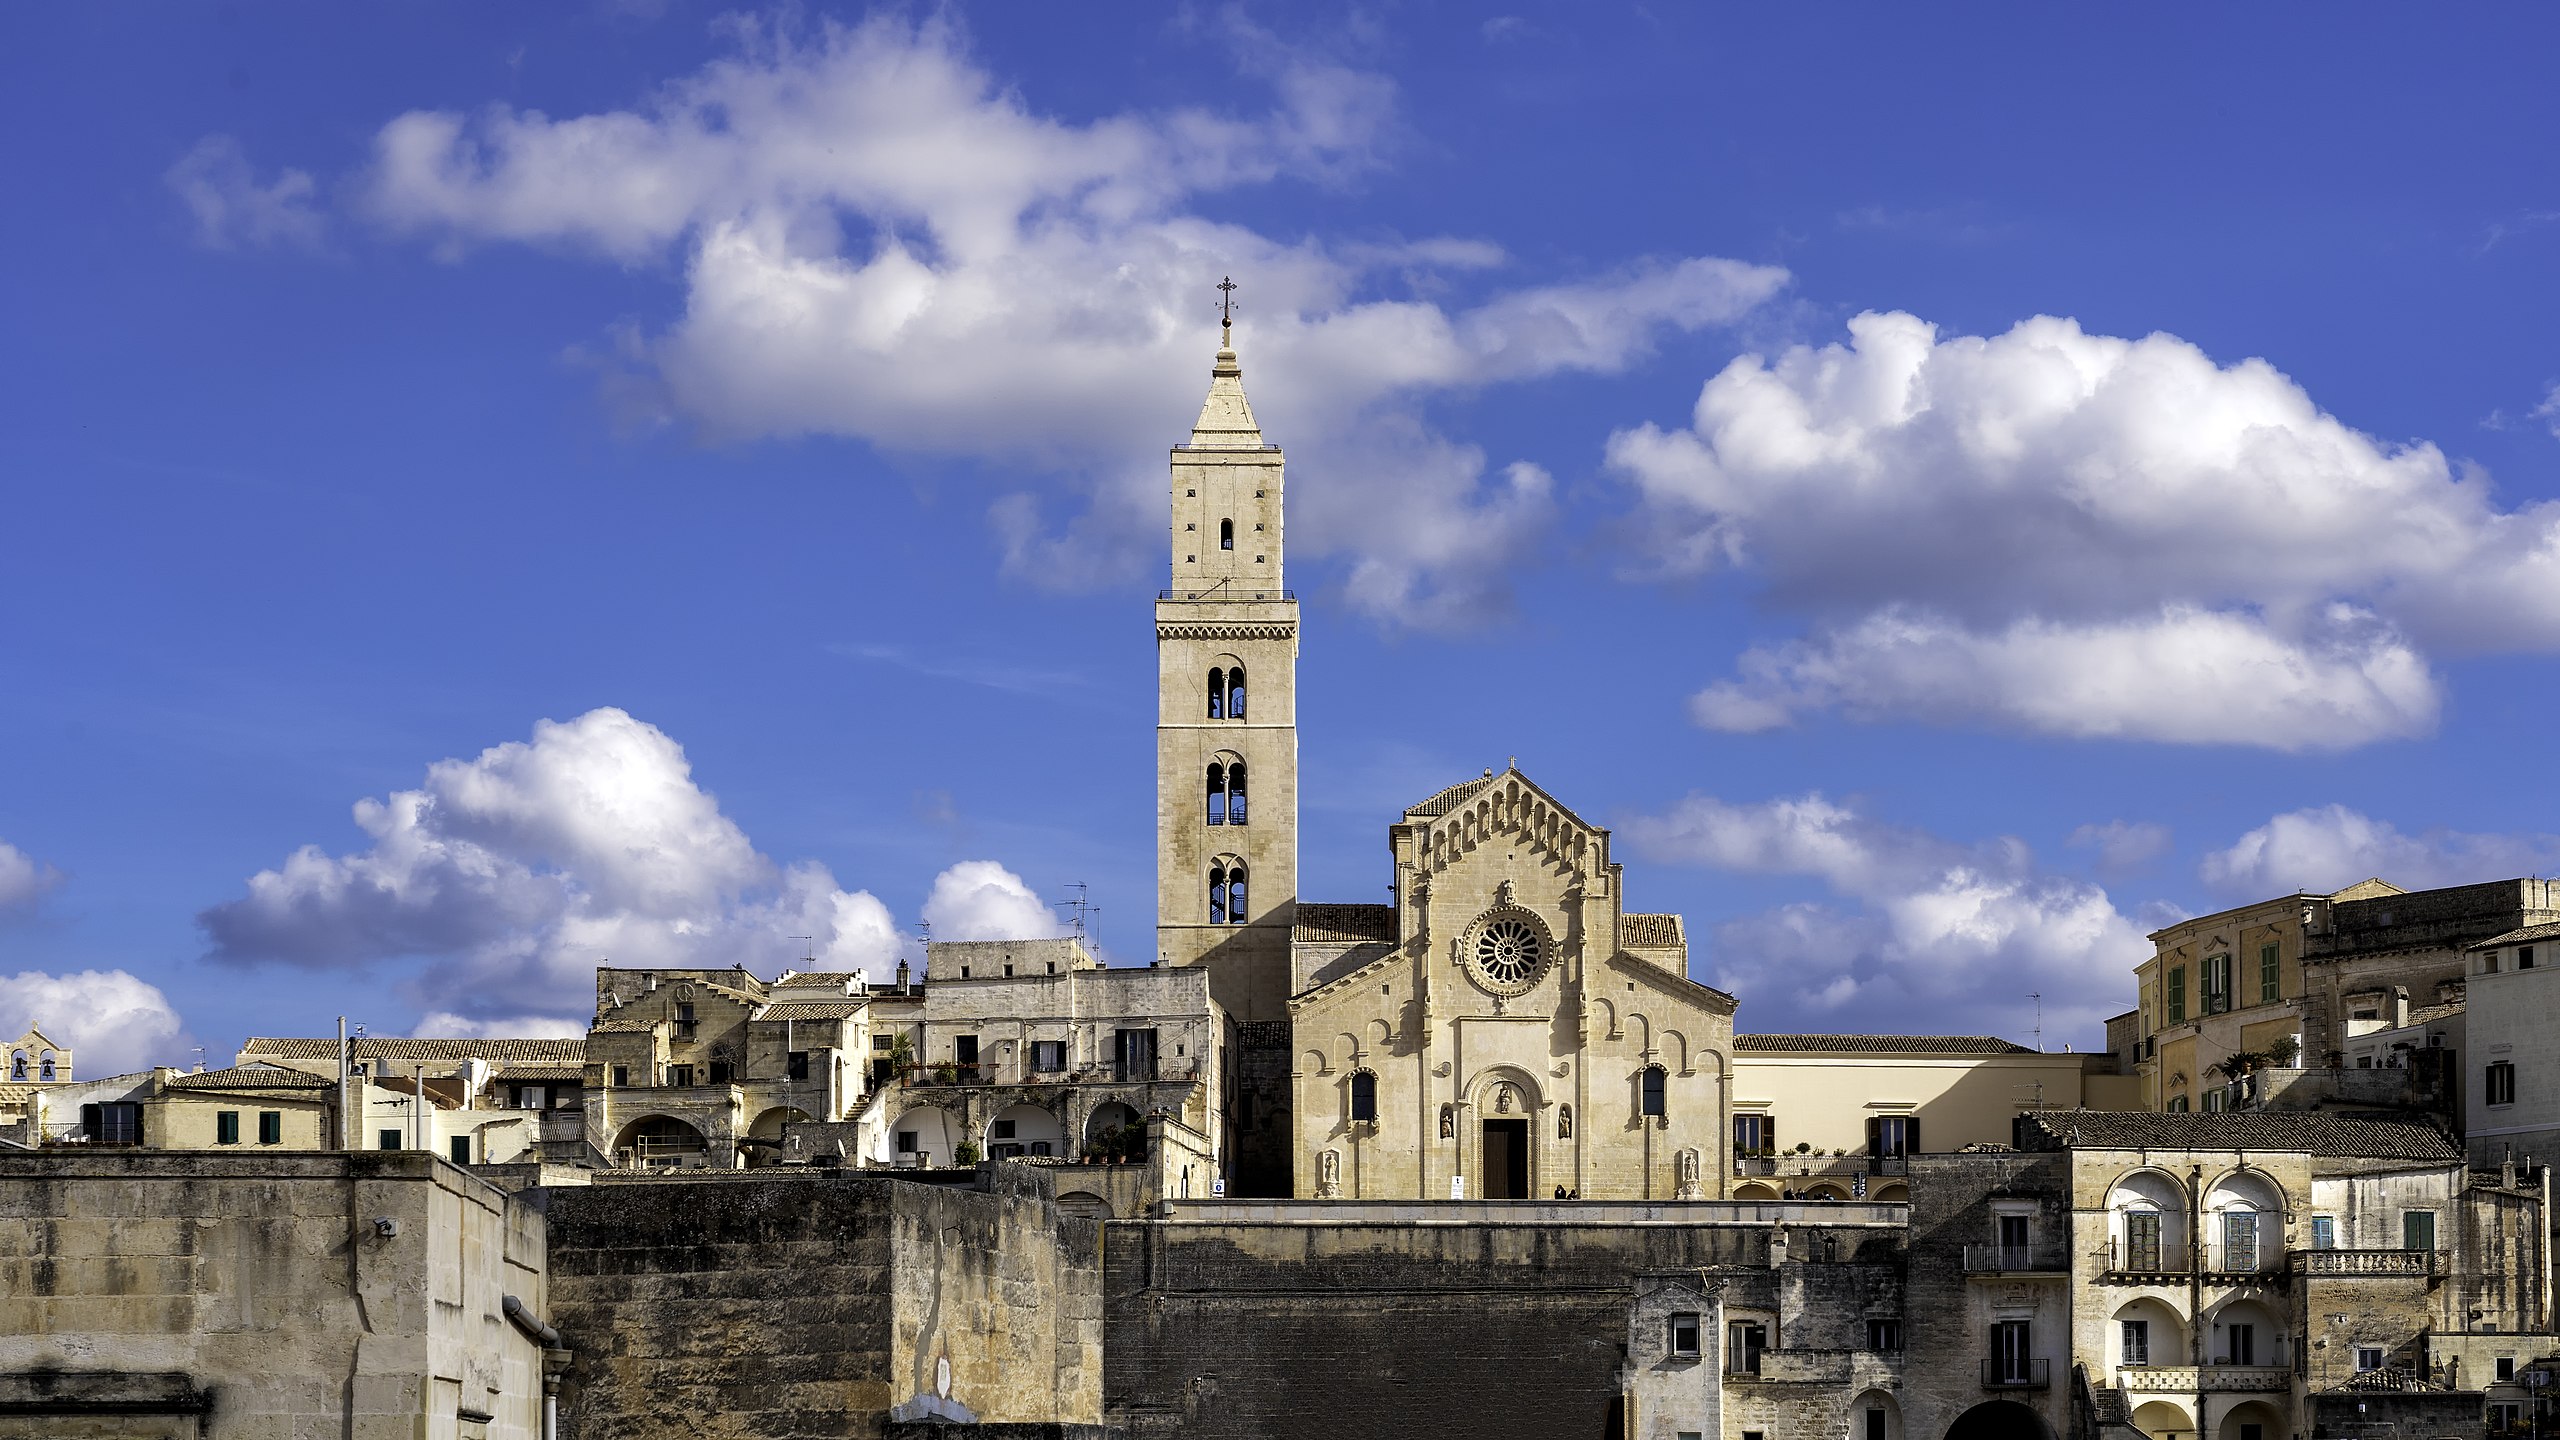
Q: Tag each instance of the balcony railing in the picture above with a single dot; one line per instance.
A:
(2188, 1379)
(2370, 1262)
(2041, 1258)
(1755, 1165)
(2008, 1373)
(1106, 1074)
(2256, 1258)
(2164, 1257)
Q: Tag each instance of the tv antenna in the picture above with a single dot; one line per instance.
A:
(805, 940)
(1080, 912)
(2038, 997)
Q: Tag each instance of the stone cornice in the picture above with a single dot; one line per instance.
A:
(1229, 630)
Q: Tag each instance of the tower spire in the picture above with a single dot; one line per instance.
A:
(1226, 417)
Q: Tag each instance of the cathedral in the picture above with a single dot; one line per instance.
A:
(1506, 1028)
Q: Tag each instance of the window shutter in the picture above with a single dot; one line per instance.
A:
(89, 1122)
(1911, 1136)
(1875, 1136)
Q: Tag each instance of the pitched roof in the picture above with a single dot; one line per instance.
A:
(393, 1047)
(1453, 797)
(816, 977)
(1883, 1044)
(1345, 924)
(542, 1072)
(812, 1010)
(1650, 932)
(252, 1077)
(2519, 937)
(2304, 1132)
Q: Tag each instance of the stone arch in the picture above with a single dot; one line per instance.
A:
(2264, 1344)
(1754, 1190)
(1316, 1064)
(768, 1129)
(1892, 1192)
(2243, 1221)
(1874, 1398)
(1349, 1044)
(1108, 1116)
(2268, 1419)
(661, 1142)
(1035, 1129)
(936, 1133)
(1999, 1420)
(1640, 1029)
(1084, 1205)
(2152, 1190)
(2160, 1416)
(2166, 1333)
(1826, 1190)
(1608, 1016)
(1675, 1050)
(1381, 1034)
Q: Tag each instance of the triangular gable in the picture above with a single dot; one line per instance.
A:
(1505, 803)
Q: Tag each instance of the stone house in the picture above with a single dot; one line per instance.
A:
(687, 1069)
(2511, 1077)
(489, 1101)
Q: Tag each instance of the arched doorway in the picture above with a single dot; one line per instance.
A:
(1893, 1194)
(2162, 1419)
(1114, 1132)
(2252, 1420)
(1024, 1129)
(1084, 1205)
(1999, 1420)
(1875, 1415)
(661, 1142)
(1753, 1190)
(763, 1145)
(926, 1136)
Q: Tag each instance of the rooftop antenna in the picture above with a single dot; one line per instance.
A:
(1079, 908)
(806, 940)
(2038, 997)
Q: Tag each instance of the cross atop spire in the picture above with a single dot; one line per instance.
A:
(1226, 308)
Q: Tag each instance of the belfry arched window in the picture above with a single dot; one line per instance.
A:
(1217, 894)
(1235, 793)
(1226, 534)
(18, 1065)
(1226, 893)
(44, 1066)
(1217, 694)
(1235, 692)
(1217, 794)
(1652, 1092)
(1364, 1097)
(1236, 911)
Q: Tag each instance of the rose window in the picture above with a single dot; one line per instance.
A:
(1507, 953)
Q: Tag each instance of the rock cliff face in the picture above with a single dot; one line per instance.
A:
(822, 1306)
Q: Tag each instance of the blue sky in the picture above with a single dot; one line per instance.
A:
(487, 489)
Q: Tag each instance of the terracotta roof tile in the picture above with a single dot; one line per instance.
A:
(1345, 924)
(252, 1077)
(400, 1048)
(1451, 798)
(812, 1010)
(2305, 1132)
(1650, 932)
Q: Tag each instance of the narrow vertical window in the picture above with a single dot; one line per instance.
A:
(1226, 534)
(1235, 793)
(1217, 694)
(1217, 895)
(2270, 975)
(1364, 1096)
(1235, 896)
(1653, 1084)
(1217, 794)
(1235, 693)
(2177, 995)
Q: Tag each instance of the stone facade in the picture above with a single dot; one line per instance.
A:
(265, 1297)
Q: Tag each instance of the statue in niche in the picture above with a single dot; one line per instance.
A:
(1502, 894)
(1564, 1122)
(1329, 1175)
(1448, 1122)
(1688, 1188)
(1502, 1100)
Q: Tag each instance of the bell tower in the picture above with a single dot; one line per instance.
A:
(1227, 754)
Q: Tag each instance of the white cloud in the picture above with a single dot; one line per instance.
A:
(2548, 412)
(1935, 935)
(516, 872)
(113, 1022)
(233, 210)
(982, 900)
(879, 241)
(2084, 535)
(2331, 847)
(445, 1025)
(23, 879)
(2122, 845)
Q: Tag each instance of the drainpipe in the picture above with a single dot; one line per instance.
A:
(2195, 1289)
(555, 1356)
(341, 1107)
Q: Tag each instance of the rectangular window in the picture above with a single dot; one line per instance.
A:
(721, 1072)
(1872, 1427)
(2177, 993)
(1754, 1135)
(226, 1127)
(906, 1142)
(1003, 1130)
(1651, 1091)
(2368, 1357)
(2177, 1105)
(680, 1076)
(270, 1127)
(1048, 1056)
(459, 1147)
(2524, 957)
(2417, 1229)
(2242, 1338)
(964, 1049)
(1684, 1334)
(2506, 1368)
(2501, 1089)
(1894, 1134)
(796, 1065)
(2142, 1243)
(2489, 962)
(881, 1043)
(2012, 1353)
(2270, 974)
(2137, 1342)
(2239, 1241)
(1884, 1336)
(2217, 984)
(1744, 1340)
(622, 1075)
(1133, 1055)
(2324, 1232)
(387, 1139)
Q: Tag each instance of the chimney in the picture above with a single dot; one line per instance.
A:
(902, 977)
(2399, 1006)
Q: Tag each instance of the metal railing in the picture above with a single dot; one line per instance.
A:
(1226, 592)
(2370, 1262)
(2034, 1258)
(2168, 1256)
(2011, 1373)
(2257, 1257)
(1755, 1165)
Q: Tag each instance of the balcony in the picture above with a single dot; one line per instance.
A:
(2423, 1263)
(985, 1074)
(1755, 1165)
(2244, 1262)
(2166, 1259)
(2009, 1373)
(2188, 1379)
(2037, 1258)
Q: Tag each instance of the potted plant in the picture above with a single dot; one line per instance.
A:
(965, 1153)
(945, 1072)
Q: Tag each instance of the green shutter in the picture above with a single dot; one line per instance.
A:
(270, 1127)
(2270, 975)
(2178, 995)
(2417, 1229)
(226, 1127)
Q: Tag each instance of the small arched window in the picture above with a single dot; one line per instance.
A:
(1235, 693)
(1364, 1097)
(1653, 1086)
(1217, 894)
(1217, 694)
(18, 1065)
(1226, 534)
(1236, 911)
(1218, 794)
(1235, 793)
